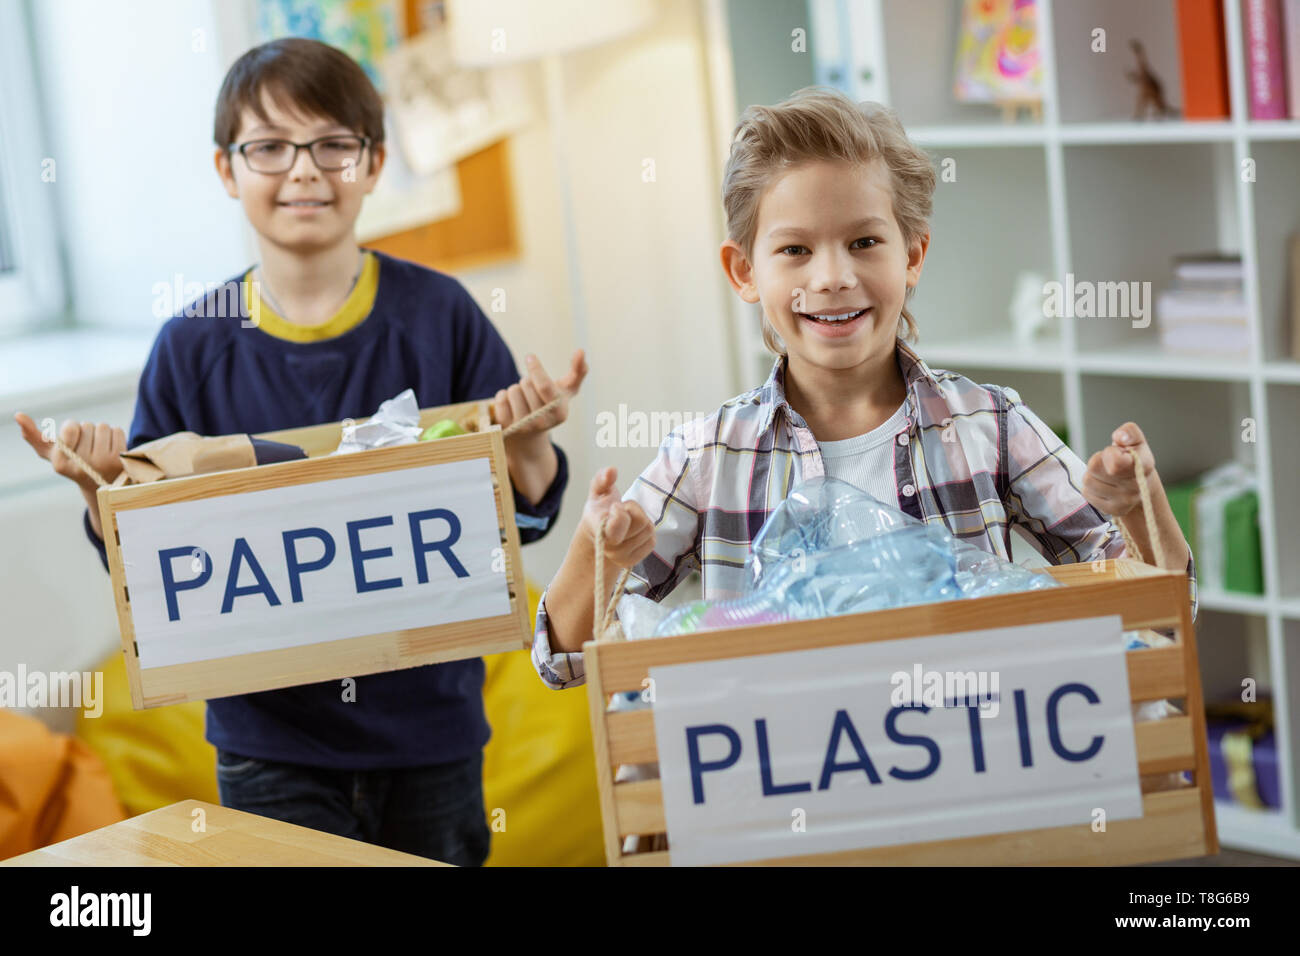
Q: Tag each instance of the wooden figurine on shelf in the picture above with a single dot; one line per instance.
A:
(1011, 109)
(1150, 91)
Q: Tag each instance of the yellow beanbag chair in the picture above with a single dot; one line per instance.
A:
(539, 769)
(539, 774)
(156, 757)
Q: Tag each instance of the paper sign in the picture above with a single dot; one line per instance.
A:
(892, 742)
(313, 562)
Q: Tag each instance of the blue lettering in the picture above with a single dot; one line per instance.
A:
(242, 552)
(443, 547)
(765, 765)
(1054, 726)
(359, 556)
(296, 567)
(171, 585)
(892, 732)
(976, 738)
(1022, 725)
(698, 768)
(829, 767)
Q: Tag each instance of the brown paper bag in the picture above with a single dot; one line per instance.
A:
(186, 453)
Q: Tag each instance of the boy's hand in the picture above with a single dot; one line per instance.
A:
(100, 445)
(534, 390)
(629, 534)
(1110, 484)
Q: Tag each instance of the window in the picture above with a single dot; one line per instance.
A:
(31, 279)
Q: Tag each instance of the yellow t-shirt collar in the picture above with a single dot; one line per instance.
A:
(352, 313)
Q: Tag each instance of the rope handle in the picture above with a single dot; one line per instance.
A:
(604, 618)
(536, 413)
(1144, 493)
(80, 462)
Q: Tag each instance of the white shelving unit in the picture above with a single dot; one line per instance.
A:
(1089, 192)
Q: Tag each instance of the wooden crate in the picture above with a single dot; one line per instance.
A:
(1176, 824)
(351, 656)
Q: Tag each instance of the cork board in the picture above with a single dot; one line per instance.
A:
(483, 233)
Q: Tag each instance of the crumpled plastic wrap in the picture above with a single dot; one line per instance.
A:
(397, 422)
(830, 548)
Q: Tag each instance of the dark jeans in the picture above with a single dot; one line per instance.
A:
(434, 811)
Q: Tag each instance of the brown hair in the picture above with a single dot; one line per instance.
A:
(817, 123)
(303, 77)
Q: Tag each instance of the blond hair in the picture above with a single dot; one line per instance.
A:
(813, 124)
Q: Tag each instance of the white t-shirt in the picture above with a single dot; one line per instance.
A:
(867, 461)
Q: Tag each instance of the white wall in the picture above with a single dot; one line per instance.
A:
(656, 303)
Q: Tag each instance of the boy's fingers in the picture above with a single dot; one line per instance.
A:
(531, 394)
(103, 446)
(577, 372)
(1100, 483)
(635, 549)
(119, 441)
(501, 408)
(518, 404)
(541, 380)
(1118, 461)
(603, 482)
(1128, 434)
(639, 518)
(71, 435)
(32, 435)
(616, 526)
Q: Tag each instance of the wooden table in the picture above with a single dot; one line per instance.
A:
(171, 837)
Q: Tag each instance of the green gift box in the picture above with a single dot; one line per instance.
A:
(1182, 498)
(1242, 568)
(1240, 557)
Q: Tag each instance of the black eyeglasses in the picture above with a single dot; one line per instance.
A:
(329, 153)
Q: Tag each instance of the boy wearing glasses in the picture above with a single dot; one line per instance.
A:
(337, 330)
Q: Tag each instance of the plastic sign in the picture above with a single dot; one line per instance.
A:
(314, 562)
(843, 748)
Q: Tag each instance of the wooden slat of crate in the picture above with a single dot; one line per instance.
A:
(1176, 824)
(625, 666)
(286, 474)
(1163, 746)
(1170, 828)
(370, 654)
(318, 440)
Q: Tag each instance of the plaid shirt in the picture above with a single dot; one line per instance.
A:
(972, 457)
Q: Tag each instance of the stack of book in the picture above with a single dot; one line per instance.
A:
(1204, 311)
(1271, 40)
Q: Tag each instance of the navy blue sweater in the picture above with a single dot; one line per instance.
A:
(210, 376)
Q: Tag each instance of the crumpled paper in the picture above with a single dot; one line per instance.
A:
(396, 423)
